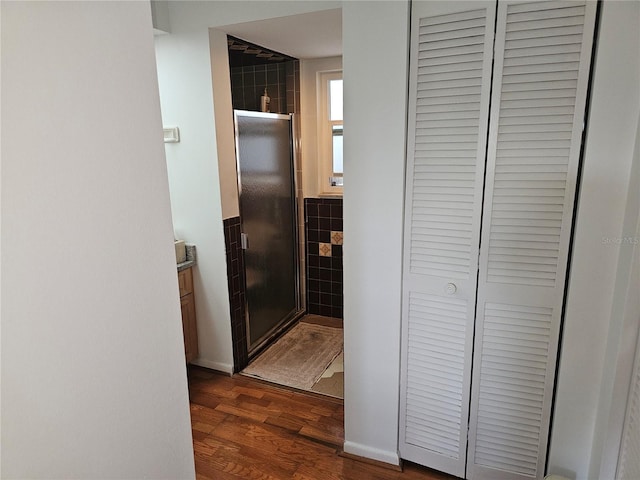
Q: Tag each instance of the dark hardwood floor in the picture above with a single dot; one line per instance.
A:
(244, 428)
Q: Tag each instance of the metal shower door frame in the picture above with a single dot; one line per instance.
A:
(288, 320)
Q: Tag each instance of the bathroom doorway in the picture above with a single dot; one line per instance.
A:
(198, 83)
(265, 82)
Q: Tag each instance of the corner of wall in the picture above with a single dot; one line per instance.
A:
(160, 16)
(223, 112)
(622, 338)
(184, 66)
(373, 219)
(592, 297)
(93, 366)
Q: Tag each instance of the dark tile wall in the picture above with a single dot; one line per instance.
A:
(235, 278)
(324, 236)
(292, 70)
(248, 84)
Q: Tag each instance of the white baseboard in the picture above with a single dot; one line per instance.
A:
(218, 366)
(386, 456)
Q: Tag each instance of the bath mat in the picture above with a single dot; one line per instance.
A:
(300, 357)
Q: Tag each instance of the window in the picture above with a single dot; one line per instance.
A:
(330, 160)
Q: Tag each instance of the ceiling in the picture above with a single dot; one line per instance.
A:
(309, 35)
(243, 53)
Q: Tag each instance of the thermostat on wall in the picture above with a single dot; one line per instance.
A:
(171, 135)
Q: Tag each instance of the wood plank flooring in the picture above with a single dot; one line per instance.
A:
(244, 428)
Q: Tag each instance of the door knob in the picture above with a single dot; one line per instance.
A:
(451, 288)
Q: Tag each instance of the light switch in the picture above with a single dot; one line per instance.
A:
(171, 135)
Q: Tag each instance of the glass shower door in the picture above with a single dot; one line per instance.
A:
(264, 151)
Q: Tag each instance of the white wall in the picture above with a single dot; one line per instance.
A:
(190, 16)
(184, 76)
(615, 105)
(309, 125)
(375, 44)
(93, 375)
(225, 131)
(160, 17)
(623, 336)
(624, 325)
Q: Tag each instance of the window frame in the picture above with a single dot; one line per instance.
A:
(325, 134)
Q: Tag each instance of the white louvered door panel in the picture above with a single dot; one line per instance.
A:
(448, 113)
(542, 60)
(629, 459)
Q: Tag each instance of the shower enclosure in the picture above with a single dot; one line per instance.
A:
(266, 185)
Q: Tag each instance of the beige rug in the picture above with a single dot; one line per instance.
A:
(300, 357)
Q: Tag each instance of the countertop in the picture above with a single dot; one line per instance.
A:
(191, 258)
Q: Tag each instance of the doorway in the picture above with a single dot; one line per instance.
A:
(266, 90)
(199, 100)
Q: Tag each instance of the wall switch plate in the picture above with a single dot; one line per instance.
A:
(171, 135)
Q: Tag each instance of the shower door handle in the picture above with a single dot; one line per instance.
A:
(244, 241)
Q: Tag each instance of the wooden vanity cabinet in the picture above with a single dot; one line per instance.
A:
(188, 307)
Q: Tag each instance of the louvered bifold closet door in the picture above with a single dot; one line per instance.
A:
(448, 112)
(542, 60)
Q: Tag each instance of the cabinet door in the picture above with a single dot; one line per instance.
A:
(187, 305)
(542, 60)
(185, 282)
(451, 51)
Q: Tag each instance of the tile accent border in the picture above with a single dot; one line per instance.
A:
(324, 249)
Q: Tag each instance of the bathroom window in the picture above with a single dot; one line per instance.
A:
(330, 132)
